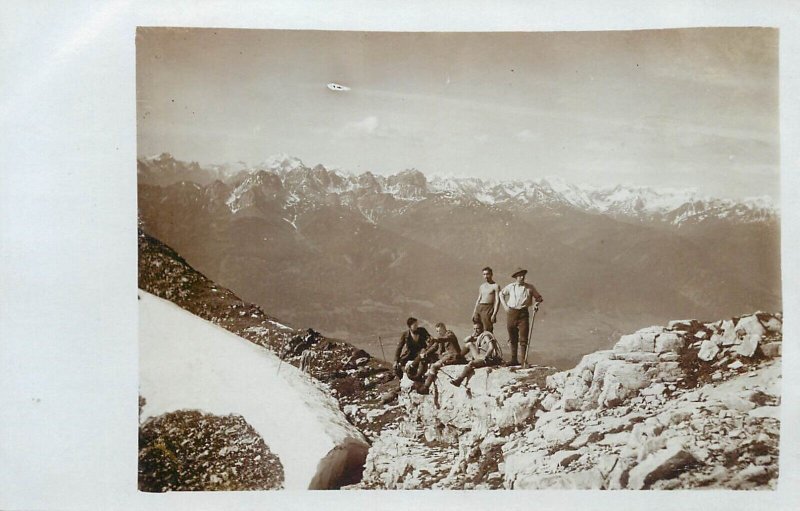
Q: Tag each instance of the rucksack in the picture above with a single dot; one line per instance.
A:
(487, 343)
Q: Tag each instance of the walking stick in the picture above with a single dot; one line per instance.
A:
(279, 366)
(280, 357)
(530, 333)
(381, 345)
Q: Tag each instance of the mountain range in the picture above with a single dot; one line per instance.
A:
(354, 255)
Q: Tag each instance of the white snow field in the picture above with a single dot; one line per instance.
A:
(186, 362)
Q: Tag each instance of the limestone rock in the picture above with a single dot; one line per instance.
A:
(773, 323)
(749, 332)
(636, 357)
(584, 480)
(728, 337)
(616, 380)
(556, 435)
(663, 464)
(772, 349)
(685, 325)
(549, 402)
(668, 342)
(643, 340)
(708, 350)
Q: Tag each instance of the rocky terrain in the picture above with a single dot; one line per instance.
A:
(689, 405)
(189, 450)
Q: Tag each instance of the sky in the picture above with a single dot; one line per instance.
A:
(684, 108)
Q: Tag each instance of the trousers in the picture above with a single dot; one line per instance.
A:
(517, 323)
(485, 314)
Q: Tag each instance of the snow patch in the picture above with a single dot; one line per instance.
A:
(188, 363)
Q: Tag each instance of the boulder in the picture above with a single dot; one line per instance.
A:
(771, 349)
(749, 332)
(564, 458)
(556, 434)
(643, 340)
(663, 464)
(684, 325)
(668, 371)
(770, 322)
(636, 357)
(575, 383)
(616, 380)
(708, 350)
(584, 480)
(549, 402)
(668, 342)
(728, 336)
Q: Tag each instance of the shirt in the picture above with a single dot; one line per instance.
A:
(485, 343)
(448, 343)
(408, 348)
(519, 296)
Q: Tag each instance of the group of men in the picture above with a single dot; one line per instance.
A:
(420, 355)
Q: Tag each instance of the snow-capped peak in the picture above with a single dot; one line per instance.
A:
(281, 162)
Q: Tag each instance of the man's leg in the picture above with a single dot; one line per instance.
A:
(469, 370)
(433, 370)
(513, 334)
(524, 329)
(485, 313)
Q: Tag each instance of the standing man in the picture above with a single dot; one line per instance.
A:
(516, 298)
(487, 304)
(412, 342)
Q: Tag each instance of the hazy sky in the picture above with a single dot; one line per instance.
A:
(685, 108)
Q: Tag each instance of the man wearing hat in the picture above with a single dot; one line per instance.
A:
(516, 298)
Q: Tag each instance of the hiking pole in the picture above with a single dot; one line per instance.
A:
(280, 356)
(530, 334)
(382, 352)
(445, 373)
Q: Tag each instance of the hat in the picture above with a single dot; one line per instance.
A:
(518, 271)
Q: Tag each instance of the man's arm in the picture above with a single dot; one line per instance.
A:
(502, 295)
(477, 302)
(400, 346)
(535, 293)
(496, 302)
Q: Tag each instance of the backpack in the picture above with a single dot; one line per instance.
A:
(487, 343)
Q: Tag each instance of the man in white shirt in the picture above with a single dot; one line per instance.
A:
(516, 298)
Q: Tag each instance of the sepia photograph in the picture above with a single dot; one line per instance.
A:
(396, 260)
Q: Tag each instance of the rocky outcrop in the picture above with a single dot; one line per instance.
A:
(688, 405)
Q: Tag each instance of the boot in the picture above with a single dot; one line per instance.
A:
(524, 350)
(466, 373)
(426, 387)
(514, 361)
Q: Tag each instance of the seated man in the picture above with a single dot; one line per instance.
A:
(446, 343)
(412, 342)
(482, 350)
